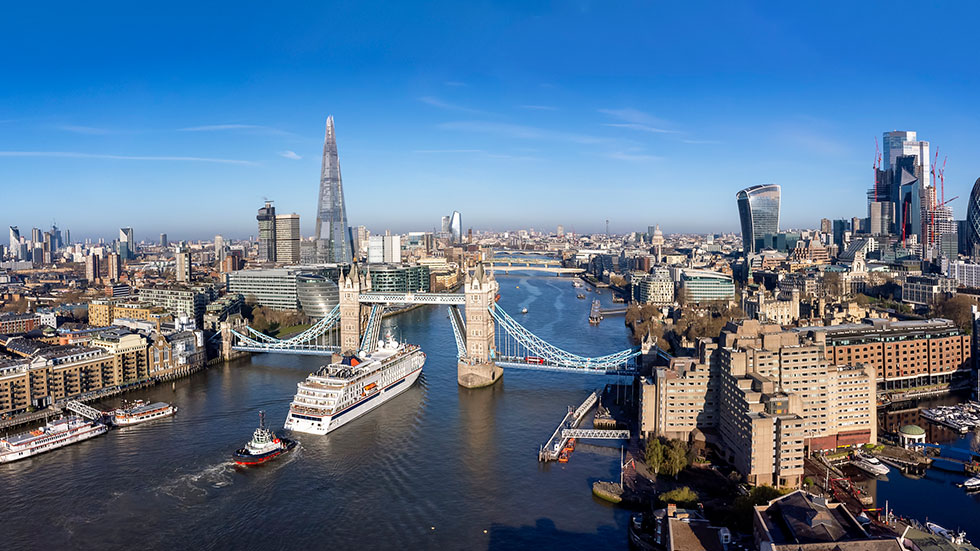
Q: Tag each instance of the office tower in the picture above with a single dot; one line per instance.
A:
(35, 236)
(902, 185)
(92, 268)
(68, 242)
(163, 240)
(332, 235)
(47, 248)
(561, 231)
(456, 227)
(219, 249)
(15, 250)
(825, 225)
(267, 232)
(392, 249)
(376, 249)
(114, 267)
(287, 238)
(361, 240)
(972, 237)
(126, 246)
(183, 266)
(446, 220)
(839, 229)
(758, 211)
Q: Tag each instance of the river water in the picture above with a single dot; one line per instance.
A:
(436, 467)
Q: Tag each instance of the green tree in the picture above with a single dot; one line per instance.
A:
(682, 497)
(675, 459)
(743, 506)
(655, 454)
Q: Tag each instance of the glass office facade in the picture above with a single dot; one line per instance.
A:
(758, 211)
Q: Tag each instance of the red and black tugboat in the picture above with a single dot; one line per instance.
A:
(264, 446)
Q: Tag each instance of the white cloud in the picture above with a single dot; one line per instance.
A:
(539, 107)
(89, 130)
(454, 83)
(248, 128)
(436, 102)
(632, 157)
(701, 141)
(79, 155)
(290, 155)
(520, 131)
(643, 127)
(633, 116)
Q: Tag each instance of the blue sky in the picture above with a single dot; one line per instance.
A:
(516, 113)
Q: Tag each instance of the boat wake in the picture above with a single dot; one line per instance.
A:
(200, 484)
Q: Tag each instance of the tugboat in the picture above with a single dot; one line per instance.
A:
(972, 484)
(264, 446)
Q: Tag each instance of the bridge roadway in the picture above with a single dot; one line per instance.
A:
(549, 268)
(412, 298)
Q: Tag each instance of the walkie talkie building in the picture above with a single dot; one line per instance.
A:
(758, 211)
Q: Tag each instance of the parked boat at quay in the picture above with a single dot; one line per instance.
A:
(870, 464)
(973, 484)
(141, 411)
(960, 417)
(958, 537)
(55, 434)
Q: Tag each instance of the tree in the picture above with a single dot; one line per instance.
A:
(683, 497)
(743, 506)
(655, 454)
(863, 300)
(675, 459)
(959, 310)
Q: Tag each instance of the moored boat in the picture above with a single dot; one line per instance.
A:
(53, 435)
(870, 464)
(972, 484)
(264, 446)
(140, 412)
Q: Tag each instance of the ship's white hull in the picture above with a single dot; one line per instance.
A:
(311, 424)
(7, 456)
(125, 421)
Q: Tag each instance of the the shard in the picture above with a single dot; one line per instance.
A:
(333, 239)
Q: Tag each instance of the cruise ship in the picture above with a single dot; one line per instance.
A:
(55, 434)
(338, 393)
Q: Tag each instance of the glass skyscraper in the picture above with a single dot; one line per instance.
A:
(333, 239)
(758, 212)
(972, 239)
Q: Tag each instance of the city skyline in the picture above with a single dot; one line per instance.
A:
(581, 123)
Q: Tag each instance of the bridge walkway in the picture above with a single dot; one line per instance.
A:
(552, 449)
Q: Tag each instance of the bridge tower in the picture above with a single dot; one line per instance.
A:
(477, 368)
(350, 311)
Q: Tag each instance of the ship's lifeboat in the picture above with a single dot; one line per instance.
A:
(563, 457)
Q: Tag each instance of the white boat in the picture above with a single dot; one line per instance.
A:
(340, 392)
(870, 464)
(56, 434)
(972, 484)
(140, 412)
(524, 310)
(948, 535)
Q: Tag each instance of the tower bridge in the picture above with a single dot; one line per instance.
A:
(487, 338)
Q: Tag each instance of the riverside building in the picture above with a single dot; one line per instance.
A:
(764, 396)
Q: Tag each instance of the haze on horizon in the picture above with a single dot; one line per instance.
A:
(517, 116)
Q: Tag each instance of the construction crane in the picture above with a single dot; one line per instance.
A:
(875, 166)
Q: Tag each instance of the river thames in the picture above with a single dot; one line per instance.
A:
(436, 467)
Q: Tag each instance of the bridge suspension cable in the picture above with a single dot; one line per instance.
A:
(549, 355)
